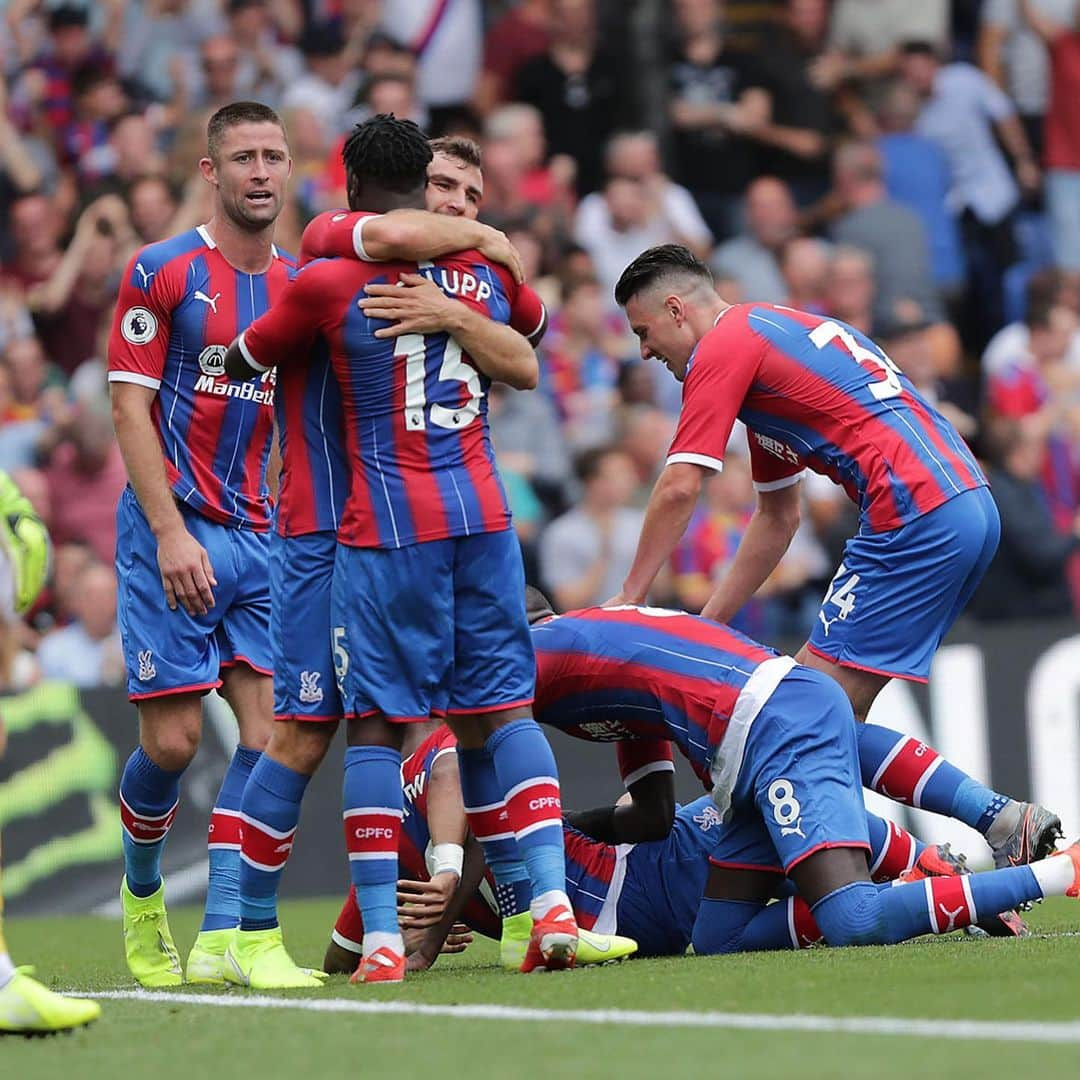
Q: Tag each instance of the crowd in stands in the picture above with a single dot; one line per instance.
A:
(912, 168)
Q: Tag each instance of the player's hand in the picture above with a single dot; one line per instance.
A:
(421, 903)
(618, 600)
(186, 574)
(422, 957)
(415, 306)
(496, 246)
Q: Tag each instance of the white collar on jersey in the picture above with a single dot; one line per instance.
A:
(208, 240)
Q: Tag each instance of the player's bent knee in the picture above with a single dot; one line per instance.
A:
(169, 730)
(853, 915)
(301, 745)
(721, 924)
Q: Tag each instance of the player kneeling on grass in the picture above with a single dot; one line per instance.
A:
(26, 1007)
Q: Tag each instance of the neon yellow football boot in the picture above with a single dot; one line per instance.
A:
(148, 943)
(258, 958)
(206, 961)
(592, 948)
(28, 1008)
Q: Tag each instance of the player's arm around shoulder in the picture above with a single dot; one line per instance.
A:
(416, 305)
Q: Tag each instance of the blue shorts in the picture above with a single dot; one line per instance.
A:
(301, 574)
(172, 652)
(897, 594)
(433, 628)
(799, 788)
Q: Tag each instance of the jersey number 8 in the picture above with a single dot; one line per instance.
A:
(412, 348)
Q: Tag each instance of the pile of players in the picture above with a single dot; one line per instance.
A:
(395, 603)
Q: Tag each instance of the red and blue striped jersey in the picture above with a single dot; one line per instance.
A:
(624, 673)
(814, 392)
(415, 409)
(181, 305)
(416, 782)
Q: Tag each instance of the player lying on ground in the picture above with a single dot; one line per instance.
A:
(816, 393)
(26, 1007)
(193, 546)
(433, 811)
(314, 484)
(646, 893)
(425, 538)
(776, 741)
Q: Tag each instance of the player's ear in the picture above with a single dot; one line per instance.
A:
(675, 309)
(208, 170)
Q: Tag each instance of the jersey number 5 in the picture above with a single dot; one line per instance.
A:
(882, 389)
(412, 348)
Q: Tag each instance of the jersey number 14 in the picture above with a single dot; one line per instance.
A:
(412, 348)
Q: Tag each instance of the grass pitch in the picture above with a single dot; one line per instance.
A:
(947, 981)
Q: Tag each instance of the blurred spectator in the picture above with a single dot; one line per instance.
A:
(752, 258)
(586, 554)
(1062, 132)
(1028, 577)
(866, 36)
(44, 90)
(446, 40)
(716, 97)
(30, 376)
(804, 264)
(916, 173)
(543, 182)
(15, 321)
(331, 81)
(965, 114)
(219, 79)
(639, 207)
(98, 100)
(527, 438)
(804, 119)
(521, 34)
(69, 561)
(19, 434)
(153, 206)
(645, 433)
(849, 288)
(583, 91)
(20, 173)
(160, 41)
(891, 234)
(1014, 56)
(1043, 387)
(581, 355)
(69, 304)
(86, 475)
(1009, 346)
(87, 652)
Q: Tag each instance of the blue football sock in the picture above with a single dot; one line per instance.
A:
(904, 769)
(270, 810)
(867, 914)
(529, 780)
(223, 842)
(892, 848)
(490, 824)
(149, 796)
(372, 801)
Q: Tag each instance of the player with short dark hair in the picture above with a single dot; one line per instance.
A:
(194, 605)
(775, 741)
(427, 492)
(816, 393)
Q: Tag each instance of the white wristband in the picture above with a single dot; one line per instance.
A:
(445, 858)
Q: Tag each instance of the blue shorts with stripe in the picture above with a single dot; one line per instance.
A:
(172, 652)
(897, 593)
(433, 628)
(798, 790)
(301, 578)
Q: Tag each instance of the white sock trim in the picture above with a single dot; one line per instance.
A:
(376, 940)
(7, 970)
(543, 903)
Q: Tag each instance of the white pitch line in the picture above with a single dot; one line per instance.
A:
(993, 1030)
